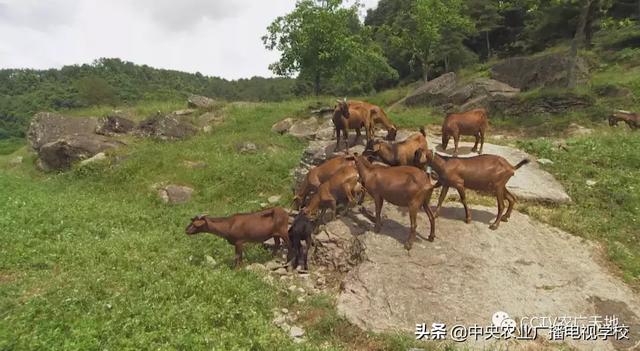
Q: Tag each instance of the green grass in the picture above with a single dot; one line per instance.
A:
(608, 211)
(11, 145)
(92, 259)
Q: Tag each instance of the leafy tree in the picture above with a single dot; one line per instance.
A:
(320, 38)
(433, 18)
(486, 17)
(96, 91)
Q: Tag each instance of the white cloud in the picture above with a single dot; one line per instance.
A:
(220, 38)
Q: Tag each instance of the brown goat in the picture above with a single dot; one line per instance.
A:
(404, 186)
(378, 116)
(320, 174)
(342, 187)
(473, 122)
(241, 228)
(484, 173)
(630, 118)
(404, 153)
(347, 117)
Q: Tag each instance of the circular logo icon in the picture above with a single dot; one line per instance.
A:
(498, 318)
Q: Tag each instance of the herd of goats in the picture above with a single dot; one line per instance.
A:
(386, 170)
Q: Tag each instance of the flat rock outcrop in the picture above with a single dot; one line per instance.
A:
(525, 268)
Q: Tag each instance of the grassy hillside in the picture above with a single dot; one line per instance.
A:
(93, 259)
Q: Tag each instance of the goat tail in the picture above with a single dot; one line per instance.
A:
(422, 131)
(522, 163)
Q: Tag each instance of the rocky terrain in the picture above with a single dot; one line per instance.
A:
(525, 268)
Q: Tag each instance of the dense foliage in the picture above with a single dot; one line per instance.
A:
(111, 81)
(325, 44)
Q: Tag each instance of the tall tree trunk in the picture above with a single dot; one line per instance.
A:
(316, 87)
(446, 63)
(425, 69)
(588, 30)
(576, 43)
(486, 35)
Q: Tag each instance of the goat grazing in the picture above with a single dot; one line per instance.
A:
(320, 174)
(378, 116)
(404, 186)
(404, 153)
(301, 229)
(342, 187)
(241, 228)
(630, 118)
(484, 173)
(473, 122)
(347, 117)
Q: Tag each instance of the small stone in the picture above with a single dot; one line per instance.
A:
(247, 147)
(300, 299)
(545, 161)
(16, 161)
(301, 290)
(274, 199)
(96, 158)
(296, 332)
(210, 260)
(207, 129)
(264, 205)
(281, 271)
(195, 164)
(256, 267)
(279, 320)
(108, 306)
(272, 265)
(591, 182)
(284, 310)
(292, 288)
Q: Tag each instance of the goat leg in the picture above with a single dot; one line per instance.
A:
(276, 246)
(512, 200)
(481, 140)
(456, 139)
(413, 211)
(500, 198)
(475, 146)
(379, 202)
(432, 220)
(238, 259)
(463, 199)
(443, 195)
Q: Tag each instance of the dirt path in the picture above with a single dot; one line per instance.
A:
(469, 272)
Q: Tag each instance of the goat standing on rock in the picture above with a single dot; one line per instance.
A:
(378, 116)
(245, 227)
(301, 229)
(474, 122)
(404, 186)
(342, 187)
(320, 174)
(485, 173)
(347, 117)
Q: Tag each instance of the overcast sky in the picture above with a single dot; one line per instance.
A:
(214, 37)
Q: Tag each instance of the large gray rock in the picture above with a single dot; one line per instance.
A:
(114, 124)
(482, 87)
(166, 127)
(61, 154)
(283, 126)
(434, 92)
(305, 128)
(199, 101)
(530, 182)
(46, 127)
(542, 104)
(525, 268)
(530, 72)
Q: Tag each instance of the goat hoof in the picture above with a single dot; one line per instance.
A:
(376, 229)
(505, 219)
(493, 227)
(468, 220)
(408, 246)
(431, 238)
